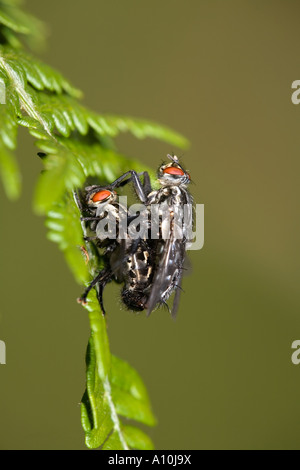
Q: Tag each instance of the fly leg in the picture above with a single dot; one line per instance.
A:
(136, 182)
(85, 213)
(78, 201)
(129, 176)
(147, 183)
(102, 279)
(100, 291)
(90, 239)
(85, 219)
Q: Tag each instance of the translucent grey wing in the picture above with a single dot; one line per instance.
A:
(167, 272)
(177, 296)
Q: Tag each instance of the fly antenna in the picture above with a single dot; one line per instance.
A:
(173, 158)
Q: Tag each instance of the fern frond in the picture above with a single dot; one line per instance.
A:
(140, 128)
(17, 26)
(41, 76)
(78, 143)
(50, 115)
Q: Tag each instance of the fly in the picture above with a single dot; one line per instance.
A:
(126, 260)
(171, 240)
(150, 267)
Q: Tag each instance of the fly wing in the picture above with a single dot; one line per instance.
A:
(170, 257)
(167, 273)
(177, 295)
(185, 271)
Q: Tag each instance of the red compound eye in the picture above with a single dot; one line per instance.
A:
(101, 195)
(173, 170)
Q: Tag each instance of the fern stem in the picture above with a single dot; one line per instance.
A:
(101, 346)
(114, 415)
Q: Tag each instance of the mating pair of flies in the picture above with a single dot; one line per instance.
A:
(150, 269)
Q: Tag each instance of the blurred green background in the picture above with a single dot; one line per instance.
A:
(221, 376)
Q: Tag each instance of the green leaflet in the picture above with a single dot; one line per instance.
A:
(9, 112)
(10, 22)
(64, 228)
(63, 173)
(62, 111)
(10, 174)
(141, 129)
(16, 24)
(137, 439)
(41, 76)
(129, 393)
